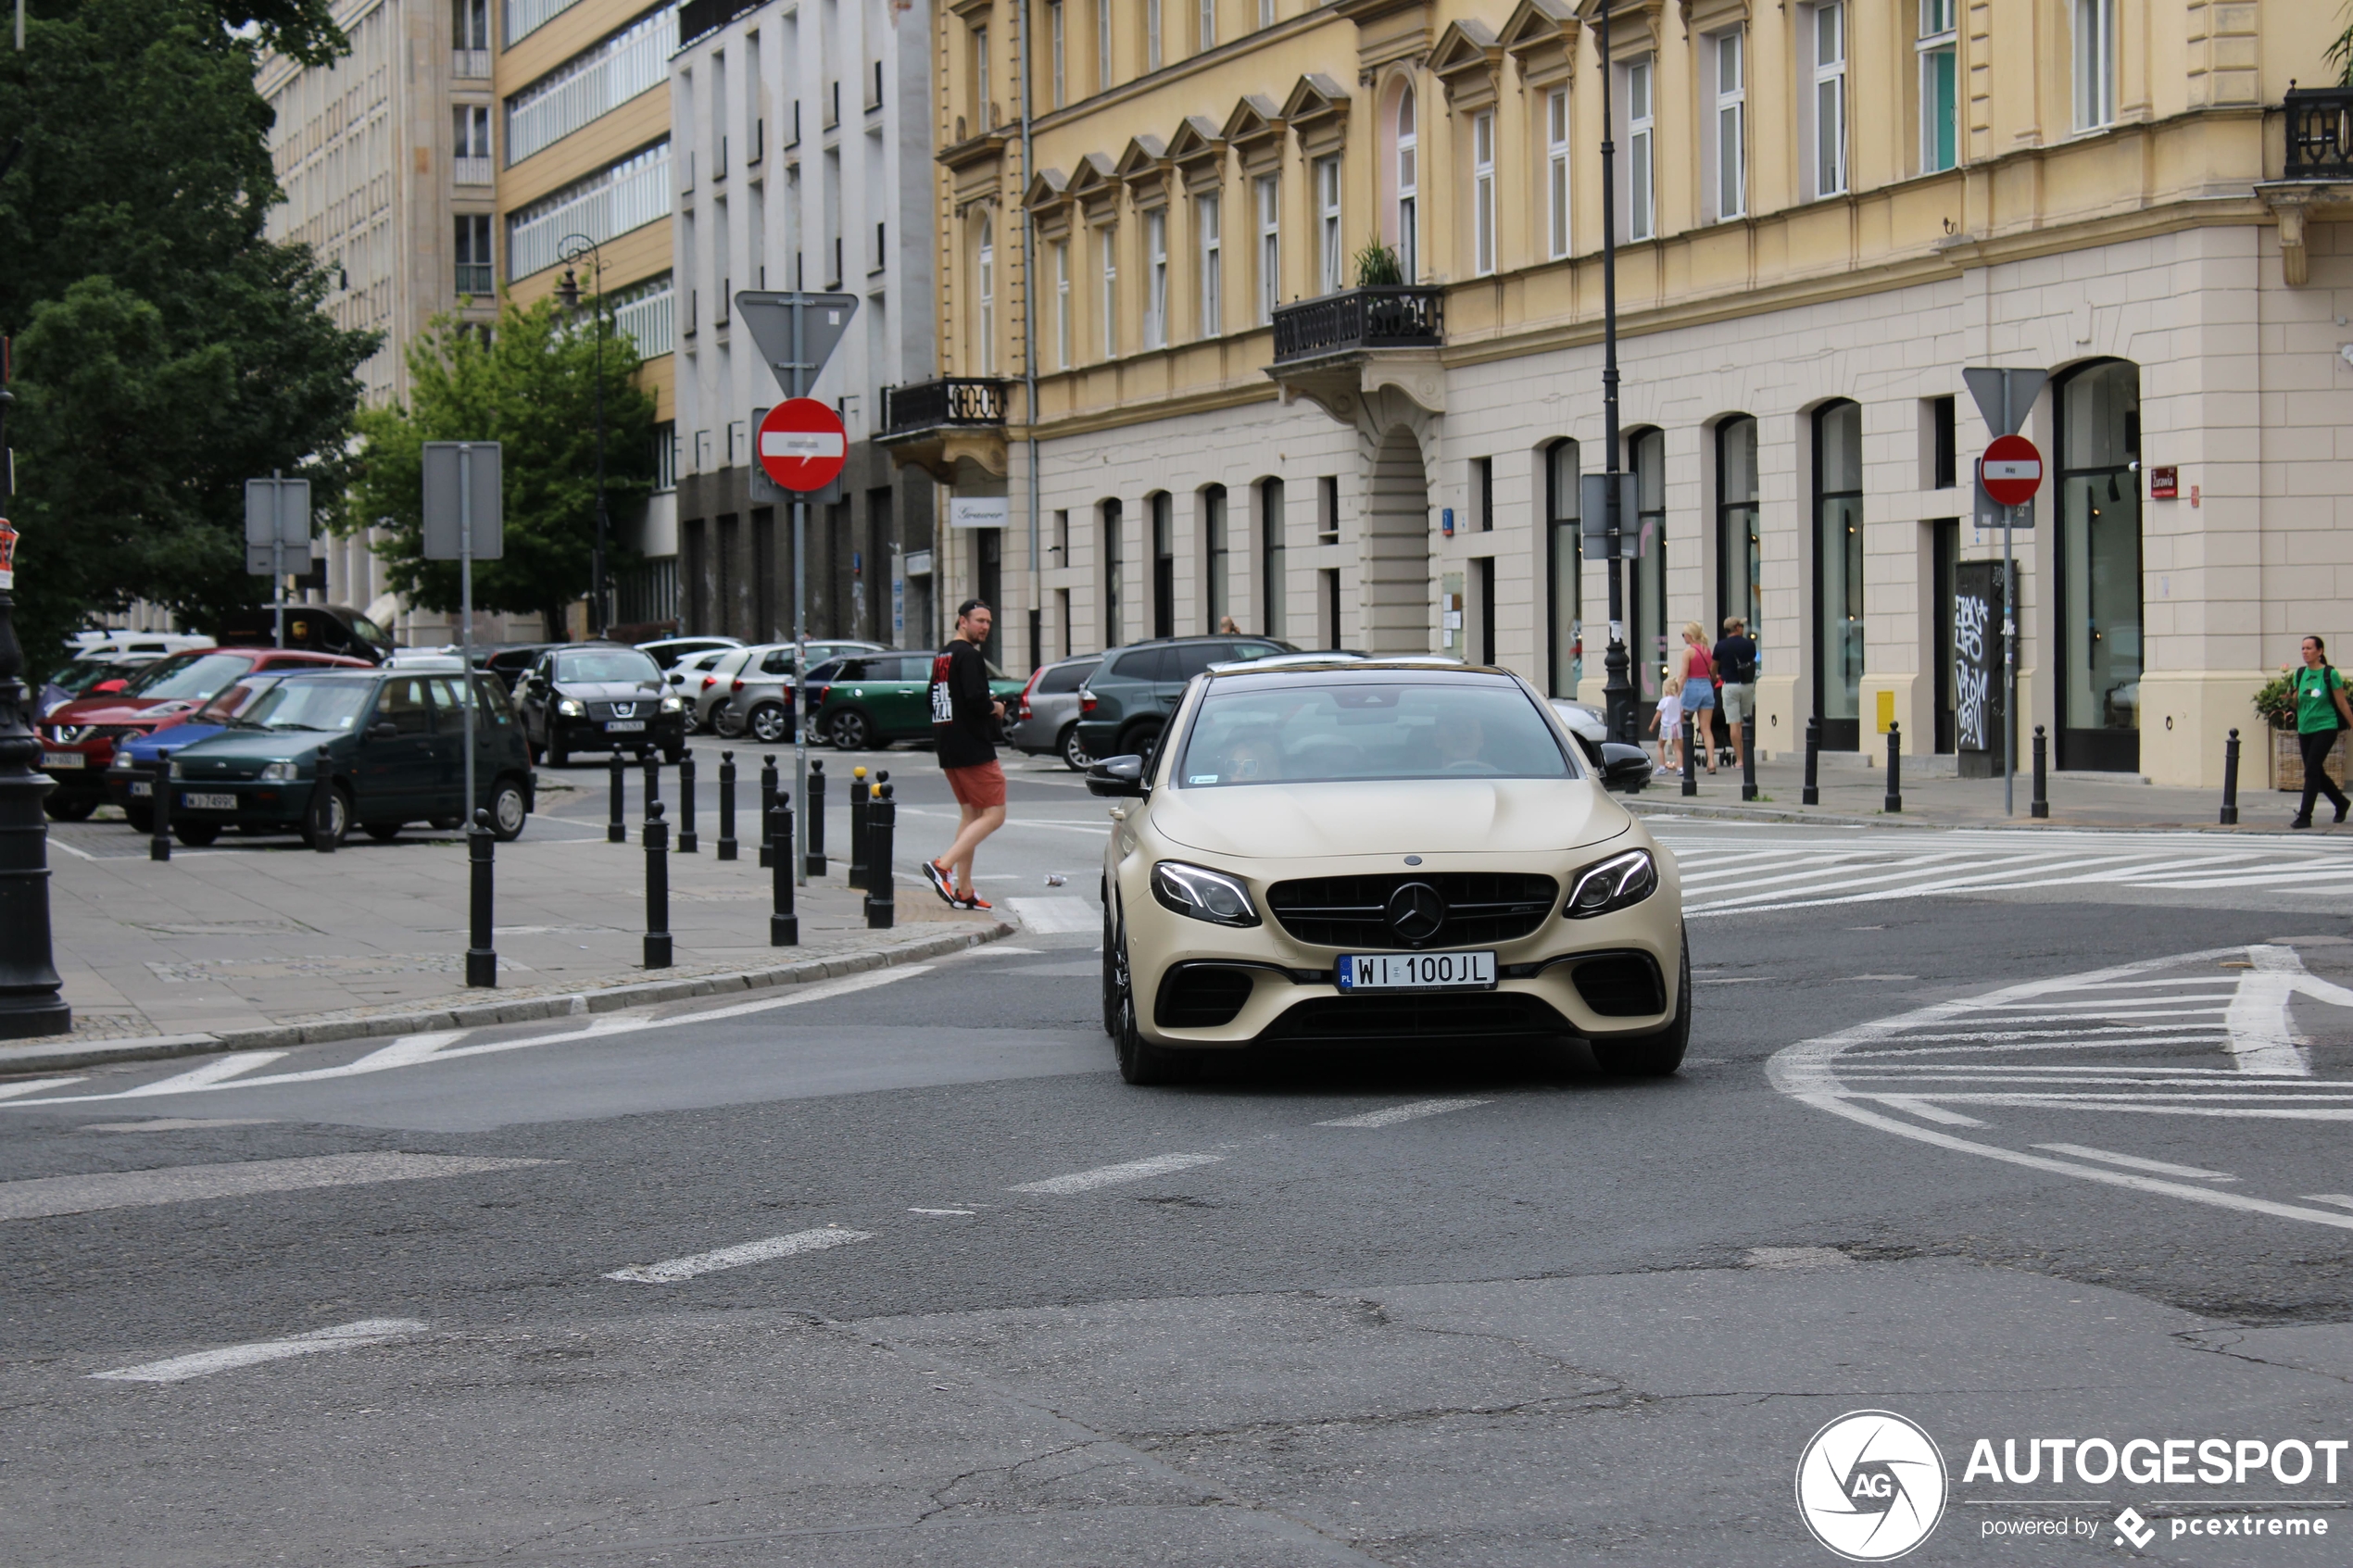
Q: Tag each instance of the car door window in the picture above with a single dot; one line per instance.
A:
(403, 702)
(449, 705)
(491, 704)
(1144, 664)
(777, 661)
(1063, 678)
(1191, 659)
(1255, 650)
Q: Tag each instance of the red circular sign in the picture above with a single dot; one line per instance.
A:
(2012, 469)
(802, 444)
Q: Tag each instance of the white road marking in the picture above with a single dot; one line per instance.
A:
(1912, 1105)
(218, 1070)
(2343, 1200)
(2135, 1162)
(1396, 1113)
(33, 1087)
(175, 1124)
(343, 1337)
(1049, 917)
(43, 1196)
(676, 1269)
(965, 1211)
(1112, 1175)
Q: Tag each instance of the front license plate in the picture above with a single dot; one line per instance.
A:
(209, 802)
(625, 726)
(1417, 972)
(63, 759)
(143, 786)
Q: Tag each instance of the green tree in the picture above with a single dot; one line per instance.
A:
(165, 350)
(532, 388)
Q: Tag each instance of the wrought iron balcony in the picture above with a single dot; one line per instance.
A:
(700, 18)
(951, 401)
(1382, 316)
(2320, 132)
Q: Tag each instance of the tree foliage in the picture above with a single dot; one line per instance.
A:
(532, 388)
(165, 351)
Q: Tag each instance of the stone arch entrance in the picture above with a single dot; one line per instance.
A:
(1395, 550)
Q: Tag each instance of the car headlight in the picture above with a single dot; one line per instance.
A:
(570, 707)
(1202, 894)
(672, 705)
(1616, 882)
(276, 772)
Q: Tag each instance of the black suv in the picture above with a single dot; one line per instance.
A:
(600, 696)
(1131, 694)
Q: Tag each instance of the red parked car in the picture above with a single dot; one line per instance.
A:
(77, 740)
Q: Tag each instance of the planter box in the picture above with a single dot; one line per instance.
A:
(2288, 761)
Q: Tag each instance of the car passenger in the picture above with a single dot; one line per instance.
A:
(1462, 743)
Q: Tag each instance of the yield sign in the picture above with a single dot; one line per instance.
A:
(802, 444)
(2012, 469)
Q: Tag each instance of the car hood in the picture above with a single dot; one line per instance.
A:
(257, 745)
(613, 691)
(112, 709)
(165, 741)
(1401, 816)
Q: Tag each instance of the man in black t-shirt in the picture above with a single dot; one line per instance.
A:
(964, 729)
(1736, 666)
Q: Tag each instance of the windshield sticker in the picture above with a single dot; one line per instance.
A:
(1202, 777)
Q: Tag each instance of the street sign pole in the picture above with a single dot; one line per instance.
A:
(2009, 633)
(466, 608)
(799, 622)
(277, 551)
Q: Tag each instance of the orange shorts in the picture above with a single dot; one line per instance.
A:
(980, 786)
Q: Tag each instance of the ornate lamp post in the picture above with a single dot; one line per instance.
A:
(30, 1004)
(1617, 691)
(570, 248)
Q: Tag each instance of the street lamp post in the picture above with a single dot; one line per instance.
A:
(1618, 692)
(570, 249)
(29, 1003)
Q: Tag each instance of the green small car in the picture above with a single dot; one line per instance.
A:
(394, 744)
(871, 699)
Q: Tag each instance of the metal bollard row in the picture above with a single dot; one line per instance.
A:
(882, 894)
(859, 790)
(2041, 805)
(814, 809)
(1748, 758)
(481, 957)
(159, 846)
(2230, 781)
(657, 888)
(726, 847)
(767, 811)
(784, 926)
(1693, 735)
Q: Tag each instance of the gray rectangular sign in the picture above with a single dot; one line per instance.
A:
(277, 510)
(1592, 500)
(443, 509)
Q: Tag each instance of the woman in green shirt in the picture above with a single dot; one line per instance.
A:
(2321, 711)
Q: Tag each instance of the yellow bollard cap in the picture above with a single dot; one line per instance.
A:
(857, 773)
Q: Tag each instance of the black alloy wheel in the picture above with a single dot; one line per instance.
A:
(1140, 1061)
(330, 825)
(1137, 739)
(1658, 1054)
(850, 730)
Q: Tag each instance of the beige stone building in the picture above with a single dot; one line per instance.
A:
(1825, 211)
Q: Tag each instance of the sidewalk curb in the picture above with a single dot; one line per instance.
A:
(1670, 807)
(611, 998)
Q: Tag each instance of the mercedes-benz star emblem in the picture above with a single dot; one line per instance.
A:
(1415, 911)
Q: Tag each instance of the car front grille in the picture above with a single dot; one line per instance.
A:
(1620, 985)
(1411, 1017)
(1352, 912)
(1202, 996)
(621, 709)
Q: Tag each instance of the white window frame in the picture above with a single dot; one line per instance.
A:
(1826, 103)
(1557, 229)
(1209, 224)
(1156, 278)
(1061, 305)
(1482, 193)
(1331, 265)
(1409, 184)
(1641, 148)
(1728, 133)
(1108, 236)
(987, 293)
(981, 84)
(1152, 36)
(1208, 38)
(1268, 191)
(2094, 64)
(1939, 39)
(1057, 46)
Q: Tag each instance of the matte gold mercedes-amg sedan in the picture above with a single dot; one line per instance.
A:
(1368, 852)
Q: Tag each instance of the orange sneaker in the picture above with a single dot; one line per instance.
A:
(974, 901)
(938, 876)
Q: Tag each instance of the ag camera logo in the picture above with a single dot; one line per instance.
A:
(1870, 1486)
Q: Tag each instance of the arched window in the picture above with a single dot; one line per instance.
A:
(1737, 590)
(2099, 568)
(1408, 183)
(987, 349)
(1563, 569)
(1838, 573)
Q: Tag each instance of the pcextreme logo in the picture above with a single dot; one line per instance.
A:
(1870, 1486)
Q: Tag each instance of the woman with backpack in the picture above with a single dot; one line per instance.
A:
(1698, 690)
(2320, 712)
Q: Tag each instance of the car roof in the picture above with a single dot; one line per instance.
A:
(1419, 666)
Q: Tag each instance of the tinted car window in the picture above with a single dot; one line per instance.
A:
(606, 664)
(199, 676)
(1144, 664)
(1192, 658)
(403, 702)
(777, 661)
(1255, 650)
(913, 666)
(829, 671)
(1064, 678)
(1329, 732)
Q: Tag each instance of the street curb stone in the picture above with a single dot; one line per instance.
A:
(611, 998)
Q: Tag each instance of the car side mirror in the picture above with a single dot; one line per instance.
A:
(1116, 775)
(383, 729)
(1626, 769)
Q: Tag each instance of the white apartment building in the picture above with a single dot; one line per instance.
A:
(803, 161)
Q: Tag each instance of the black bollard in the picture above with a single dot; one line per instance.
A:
(2041, 802)
(688, 842)
(727, 804)
(859, 791)
(323, 802)
(1748, 758)
(813, 810)
(1693, 735)
(617, 829)
(1812, 795)
(30, 1003)
(882, 894)
(657, 888)
(482, 958)
(784, 926)
(159, 814)
(1895, 802)
(651, 762)
(2230, 774)
(767, 812)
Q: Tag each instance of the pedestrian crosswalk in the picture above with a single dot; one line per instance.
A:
(1728, 872)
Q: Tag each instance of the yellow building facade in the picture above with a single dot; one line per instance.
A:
(1824, 213)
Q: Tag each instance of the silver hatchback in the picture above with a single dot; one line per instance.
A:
(1044, 721)
(756, 700)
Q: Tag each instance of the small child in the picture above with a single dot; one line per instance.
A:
(1669, 722)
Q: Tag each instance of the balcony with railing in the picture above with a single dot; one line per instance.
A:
(949, 427)
(470, 170)
(700, 18)
(650, 319)
(1383, 316)
(590, 85)
(470, 63)
(2315, 169)
(628, 195)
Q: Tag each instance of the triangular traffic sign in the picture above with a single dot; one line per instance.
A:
(1985, 385)
(824, 319)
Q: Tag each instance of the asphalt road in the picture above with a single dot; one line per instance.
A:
(906, 1274)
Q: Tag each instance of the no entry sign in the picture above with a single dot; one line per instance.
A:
(802, 444)
(2012, 469)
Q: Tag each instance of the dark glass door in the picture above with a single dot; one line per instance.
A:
(2099, 569)
(1944, 552)
(1646, 632)
(1838, 574)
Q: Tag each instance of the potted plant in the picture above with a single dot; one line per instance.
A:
(1376, 264)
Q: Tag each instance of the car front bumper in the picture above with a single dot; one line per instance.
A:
(275, 803)
(664, 732)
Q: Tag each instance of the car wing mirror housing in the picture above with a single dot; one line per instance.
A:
(383, 729)
(1626, 769)
(1116, 776)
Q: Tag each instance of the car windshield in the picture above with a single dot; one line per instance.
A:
(1333, 732)
(371, 630)
(191, 675)
(234, 699)
(605, 664)
(84, 673)
(307, 705)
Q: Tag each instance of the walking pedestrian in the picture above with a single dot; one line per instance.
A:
(2320, 712)
(964, 734)
(1736, 664)
(1668, 721)
(1698, 690)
